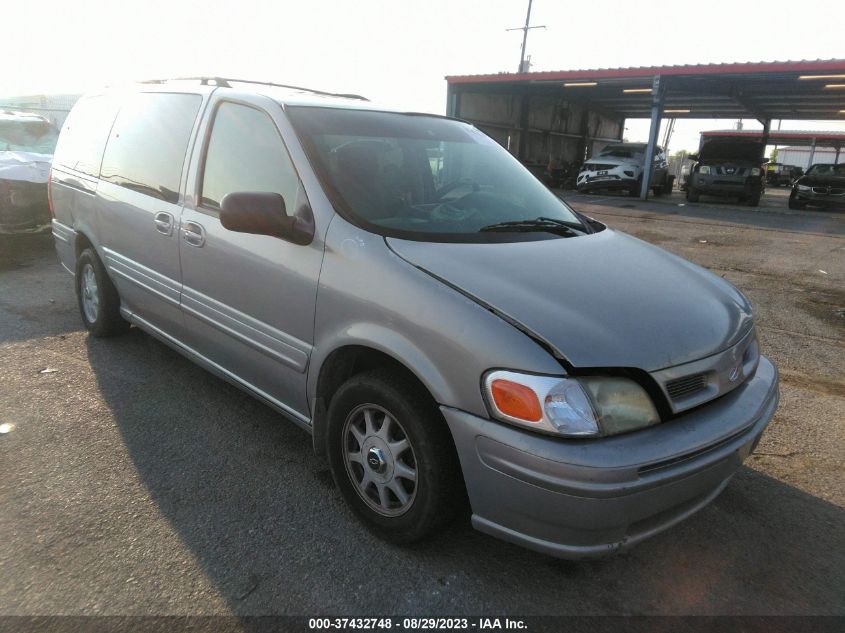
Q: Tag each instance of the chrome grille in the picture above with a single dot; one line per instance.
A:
(730, 171)
(832, 191)
(686, 386)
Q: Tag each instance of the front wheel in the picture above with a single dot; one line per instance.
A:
(753, 200)
(795, 204)
(392, 456)
(692, 193)
(99, 303)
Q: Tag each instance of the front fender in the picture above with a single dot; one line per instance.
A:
(370, 296)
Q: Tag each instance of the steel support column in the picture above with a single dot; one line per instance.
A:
(524, 104)
(658, 92)
(767, 124)
(812, 152)
(836, 160)
(451, 101)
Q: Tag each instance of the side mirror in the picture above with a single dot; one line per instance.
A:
(263, 213)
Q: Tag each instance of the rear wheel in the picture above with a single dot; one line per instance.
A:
(392, 456)
(99, 303)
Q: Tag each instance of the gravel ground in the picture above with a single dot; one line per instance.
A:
(134, 482)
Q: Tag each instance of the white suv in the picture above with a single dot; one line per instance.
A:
(620, 166)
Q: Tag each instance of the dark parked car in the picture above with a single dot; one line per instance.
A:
(823, 185)
(727, 167)
(27, 142)
(778, 174)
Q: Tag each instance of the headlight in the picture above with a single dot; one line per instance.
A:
(588, 406)
(704, 170)
(755, 171)
(803, 187)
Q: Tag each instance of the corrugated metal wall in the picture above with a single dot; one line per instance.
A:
(553, 127)
(800, 156)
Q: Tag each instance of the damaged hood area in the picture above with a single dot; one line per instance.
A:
(600, 300)
(25, 166)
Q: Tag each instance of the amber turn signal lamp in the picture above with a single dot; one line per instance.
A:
(517, 401)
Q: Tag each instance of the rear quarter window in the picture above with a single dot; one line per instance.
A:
(149, 139)
(84, 134)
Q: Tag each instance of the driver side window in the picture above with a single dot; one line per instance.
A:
(246, 153)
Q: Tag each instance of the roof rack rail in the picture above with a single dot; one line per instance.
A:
(226, 82)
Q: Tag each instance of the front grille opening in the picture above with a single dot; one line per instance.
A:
(688, 385)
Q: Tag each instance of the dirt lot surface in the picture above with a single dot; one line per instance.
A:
(134, 482)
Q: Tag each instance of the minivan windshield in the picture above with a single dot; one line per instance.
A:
(426, 177)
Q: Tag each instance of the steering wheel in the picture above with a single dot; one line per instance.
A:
(440, 193)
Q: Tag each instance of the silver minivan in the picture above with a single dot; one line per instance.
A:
(449, 331)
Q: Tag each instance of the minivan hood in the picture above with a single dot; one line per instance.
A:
(601, 300)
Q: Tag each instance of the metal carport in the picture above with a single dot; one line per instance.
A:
(564, 104)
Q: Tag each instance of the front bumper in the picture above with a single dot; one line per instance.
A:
(23, 205)
(726, 186)
(819, 199)
(589, 498)
(611, 181)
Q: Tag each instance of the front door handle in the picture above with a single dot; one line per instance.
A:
(193, 234)
(164, 223)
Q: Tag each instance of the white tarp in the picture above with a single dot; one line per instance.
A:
(26, 166)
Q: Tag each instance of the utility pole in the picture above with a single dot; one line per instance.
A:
(525, 30)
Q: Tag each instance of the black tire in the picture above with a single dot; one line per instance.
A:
(634, 190)
(692, 194)
(107, 321)
(795, 205)
(439, 491)
(657, 191)
(753, 200)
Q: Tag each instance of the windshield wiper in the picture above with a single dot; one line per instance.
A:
(551, 225)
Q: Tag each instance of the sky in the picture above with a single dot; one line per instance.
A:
(398, 52)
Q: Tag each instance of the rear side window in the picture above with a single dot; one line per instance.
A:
(84, 134)
(246, 153)
(146, 149)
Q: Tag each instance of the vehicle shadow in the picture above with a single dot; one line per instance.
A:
(261, 515)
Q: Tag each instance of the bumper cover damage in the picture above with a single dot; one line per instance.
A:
(589, 498)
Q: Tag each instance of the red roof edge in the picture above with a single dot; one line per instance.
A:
(810, 66)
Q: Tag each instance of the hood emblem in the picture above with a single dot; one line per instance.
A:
(735, 372)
